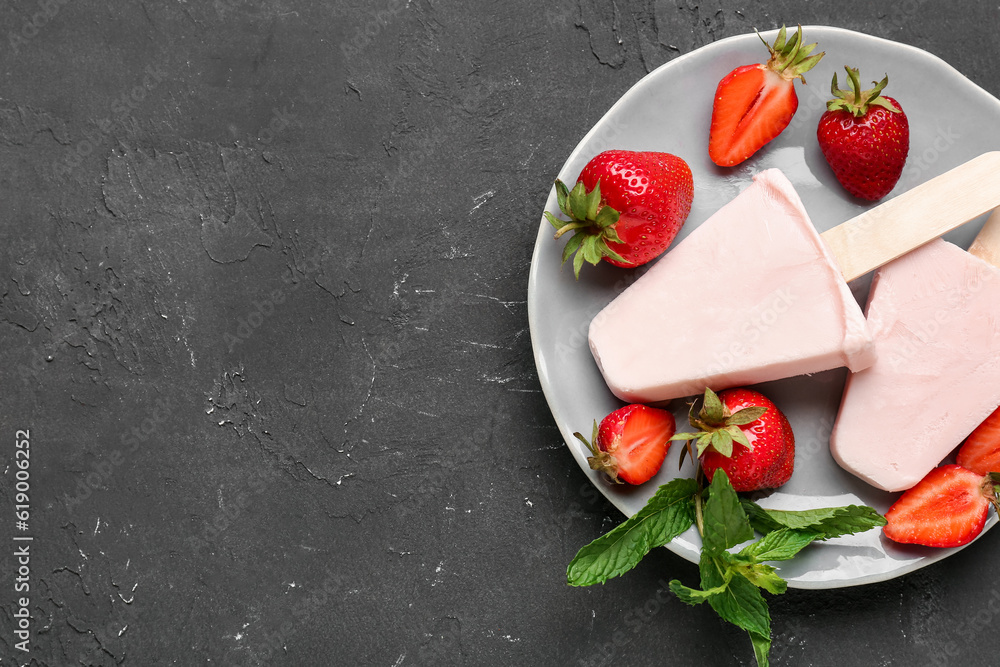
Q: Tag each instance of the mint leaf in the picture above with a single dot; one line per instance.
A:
(726, 524)
(694, 596)
(828, 521)
(761, 647)
(781, 544)
(665, 516)
(741, 603)
(763, 576)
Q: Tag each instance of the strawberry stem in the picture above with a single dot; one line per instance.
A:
(855, 100)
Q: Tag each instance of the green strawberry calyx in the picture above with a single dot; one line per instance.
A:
(790, 57)
(717, 427)
(600, 460)
(855, 100)
(592, 223)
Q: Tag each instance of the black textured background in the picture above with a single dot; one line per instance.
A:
(263, 269)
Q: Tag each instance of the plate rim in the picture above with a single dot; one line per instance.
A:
(542, 237)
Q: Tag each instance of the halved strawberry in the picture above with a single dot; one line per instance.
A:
(754, 103)
(947, 508)
(981, 451)
(631, 443)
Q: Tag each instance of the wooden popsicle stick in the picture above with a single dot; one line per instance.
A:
(922, 214)
(986, 246)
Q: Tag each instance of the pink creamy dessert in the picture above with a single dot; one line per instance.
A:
(753, 294)
(935, 317)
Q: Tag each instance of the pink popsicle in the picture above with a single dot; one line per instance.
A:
(935, 318)
(755, 294)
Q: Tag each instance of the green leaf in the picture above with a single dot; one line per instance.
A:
(704, 441)
(562, 196)
(713, 409)
(829, 522)
(554, 221)
(578, 201)
(695, 596)
(665, 516)
(781, 544)
(606, 217)
(739, 436)
(592, 249)
(747, 415)
(723, 442)
(593, 201)
(779, 43)
(763, 576)
(605, 250)
(577, 264)
(726, 524)
(572, 246)
(741, 603)
(761, 647)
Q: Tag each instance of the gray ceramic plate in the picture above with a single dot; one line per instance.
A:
(669, 110)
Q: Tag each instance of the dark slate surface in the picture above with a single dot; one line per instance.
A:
(263, 312)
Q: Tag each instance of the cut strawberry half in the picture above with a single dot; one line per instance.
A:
(947, 508)
(631, 443)
(754, 103)
(981, 451)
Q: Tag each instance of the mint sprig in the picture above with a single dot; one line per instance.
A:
(828, 522)
(731, 583)
(666, 515)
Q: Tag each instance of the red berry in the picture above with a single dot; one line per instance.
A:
(626, 207)
(631, 443)
(771, 460)
(981, 451)
(865, 137)
(947, 508)
(754, 103)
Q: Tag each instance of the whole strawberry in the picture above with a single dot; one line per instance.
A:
(631, 443)
(753, 104)
(865, 137)
(626, 207)
(743, 432)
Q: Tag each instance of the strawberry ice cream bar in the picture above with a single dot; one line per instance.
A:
(935, 318)
(753, 294)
